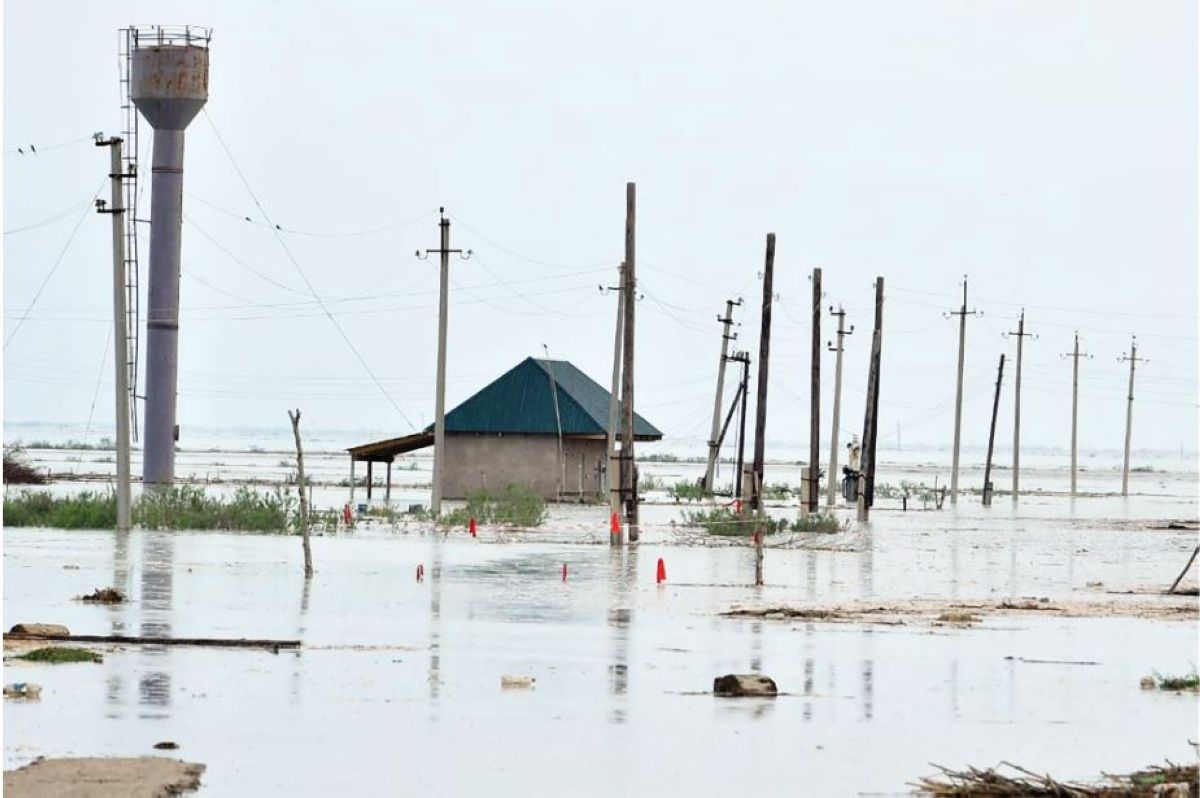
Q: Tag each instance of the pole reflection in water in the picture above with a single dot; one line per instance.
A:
(158, 563)
(118, 617)
(435, 623)
(622, 578)
(866, 565)
(809, 667)
(301, 628)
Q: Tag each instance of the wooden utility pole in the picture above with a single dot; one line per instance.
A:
(764, 353)
(744, 359)
(300, 486)
(714, 444)
(814, 403)
(866, 492)
(613, 473)
(962, 314)
(120, 329)
(1133, 359)
(439, 423)
(629, 486)
(1075, 355)
(987, 466)
(1021, 335)
(842, 332)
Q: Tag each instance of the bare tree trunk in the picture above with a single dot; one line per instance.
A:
(300, 483)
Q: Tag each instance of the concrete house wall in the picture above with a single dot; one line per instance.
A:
(491, 461)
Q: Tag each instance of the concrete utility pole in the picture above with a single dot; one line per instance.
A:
(714, 445)
(1075, 355)
(987, 465)
(120, 345)
(764, 353)
(1021, 335)
(866, 492)
(814, 402)
(1133, 361)
(629, 486)
(842, 332)
(613, 474)
(439, 423)
(962, 314)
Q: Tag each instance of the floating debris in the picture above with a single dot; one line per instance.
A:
(104, 595)
(1172, 781)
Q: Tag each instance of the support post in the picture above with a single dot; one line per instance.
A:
(1021, 335)
(352, 461)
(744, 359)
(613, 472)
(962, 314)
(1133, 359)
(300, 485)
(814, 414)
(764, 353)
(120, 331)
(714, 444)
(629, 486)
(1075, 355)
(387, 492)
(987, 465)
(370, 479)
(831, 495)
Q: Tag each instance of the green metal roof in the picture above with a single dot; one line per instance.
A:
(520, 402)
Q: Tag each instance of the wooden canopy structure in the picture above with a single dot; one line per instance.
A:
(385, 452)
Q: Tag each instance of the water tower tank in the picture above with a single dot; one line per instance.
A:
(169, 86)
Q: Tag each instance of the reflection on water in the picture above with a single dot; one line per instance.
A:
(435, 623)
(622, 579)
(158, 574)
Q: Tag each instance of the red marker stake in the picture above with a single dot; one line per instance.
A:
(614, 525)
(472, 528)
(662, 571)
(564, 572)
(420, 572)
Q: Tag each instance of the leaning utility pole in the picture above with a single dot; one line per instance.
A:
(987, 464)
(714, 445)
(814, 407)
(629, 486)
(439, 423)
(1133, 361)
(1075, 405)
(613, 473)
(866, 492)
(120, 346)
(831, 497)
(1016, 466)
(764, 352)
(962, 314)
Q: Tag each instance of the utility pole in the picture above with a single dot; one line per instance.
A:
(1075, 355)
(439, 424)
(713, 442)
(613, 474)
(1133, 361)
(1016, 466)
(764, 353)
(866, 493)
(987, 466)
(842, 332)
(120, 345)
(562, 468)
(962, 314)
(629, 486)
(814, 403)
(742, 357)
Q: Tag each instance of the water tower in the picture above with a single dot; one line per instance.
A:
(169, 86)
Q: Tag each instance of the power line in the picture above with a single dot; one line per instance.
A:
(303, 276)
(57, 263)
(54, 218)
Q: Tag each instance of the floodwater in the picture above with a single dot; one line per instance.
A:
(397, 687)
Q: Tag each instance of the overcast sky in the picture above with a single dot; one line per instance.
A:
(1048, 150)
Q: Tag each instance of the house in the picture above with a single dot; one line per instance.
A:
(509, 433)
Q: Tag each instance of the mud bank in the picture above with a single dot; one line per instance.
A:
(102, 777)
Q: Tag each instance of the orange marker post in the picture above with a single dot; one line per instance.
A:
(662, 571)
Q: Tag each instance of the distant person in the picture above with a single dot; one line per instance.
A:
(855, 452)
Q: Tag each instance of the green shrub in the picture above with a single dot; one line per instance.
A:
(819, 522)
(687, 491)
(189, 507)
(56, 655)
(515, 506)
(726, 523)
(777, 491)
(86, 510)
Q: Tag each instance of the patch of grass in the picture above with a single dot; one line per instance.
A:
(687, 491)
(85, 510)
(57, 655)
(1190, 682)
(189, 507)
(958, 616)
(777, 491)
(649, 482)
(726, 523)
(515, 506)
(819, 522)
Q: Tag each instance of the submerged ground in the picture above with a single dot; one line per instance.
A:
(397, 688)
